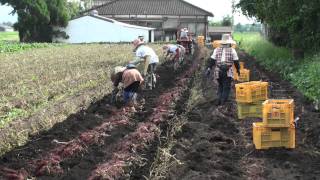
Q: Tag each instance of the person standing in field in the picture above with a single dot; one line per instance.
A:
(223, 59)
(131, 79)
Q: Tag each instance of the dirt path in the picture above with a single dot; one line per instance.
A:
(213, 144)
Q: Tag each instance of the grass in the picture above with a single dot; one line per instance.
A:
(9, 36)
(304, 73)
(41, 87)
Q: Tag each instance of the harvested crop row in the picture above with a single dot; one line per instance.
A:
(42, 87)
(127, 151)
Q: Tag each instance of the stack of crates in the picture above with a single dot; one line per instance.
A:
(201, 41)
(277, 128)
(249, 97)
(244, 73)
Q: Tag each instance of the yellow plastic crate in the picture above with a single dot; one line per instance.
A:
(265, 137)
(253, 110)
(244, 75)
(278, 113)
(251, 92)
(241, 65)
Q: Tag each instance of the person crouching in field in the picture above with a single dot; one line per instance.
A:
(171, 52)
(131, 79)
(223, 59)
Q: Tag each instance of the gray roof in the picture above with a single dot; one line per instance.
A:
(151, 7)
(221, 29)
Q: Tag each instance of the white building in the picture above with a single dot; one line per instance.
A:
(4, 28)
(94, 28)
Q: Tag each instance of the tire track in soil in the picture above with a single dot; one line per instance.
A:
(77, 161)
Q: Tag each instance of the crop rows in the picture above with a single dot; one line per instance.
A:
(46, 85)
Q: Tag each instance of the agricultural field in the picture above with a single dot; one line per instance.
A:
(177, 131)
(44, 86)
(9, 36)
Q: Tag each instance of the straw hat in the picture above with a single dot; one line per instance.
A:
(137, 42)
(118, 69)
(227, 39)
(115, 71)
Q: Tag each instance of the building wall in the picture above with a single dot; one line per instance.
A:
(166, 26)
(88, 29)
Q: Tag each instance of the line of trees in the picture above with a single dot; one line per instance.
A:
(226, 21)
(255, 27)
(37, 19)
(291, 23)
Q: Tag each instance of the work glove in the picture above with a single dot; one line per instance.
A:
(208, 72)
(114, 94)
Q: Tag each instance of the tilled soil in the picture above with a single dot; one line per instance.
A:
(102, 142)
(214, 144)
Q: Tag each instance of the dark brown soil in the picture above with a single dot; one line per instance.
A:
(213, 144)
(93, 137)
(103, 142)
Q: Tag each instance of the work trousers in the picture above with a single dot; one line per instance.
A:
(224, 86)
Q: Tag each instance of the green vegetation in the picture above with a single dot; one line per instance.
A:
(294, 24)
(7, 46)
(37, 19)
(226, 21)
(304, 74)
(9, 36)
(247, 27)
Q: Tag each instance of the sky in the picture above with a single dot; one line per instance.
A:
(219, 8)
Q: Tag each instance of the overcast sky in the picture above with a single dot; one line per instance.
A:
(219, 8)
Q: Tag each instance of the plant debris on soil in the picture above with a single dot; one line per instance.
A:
(177, 133)
(101, 142)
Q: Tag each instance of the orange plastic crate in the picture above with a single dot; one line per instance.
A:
(266, 137)
(251, 92)
(278, 113)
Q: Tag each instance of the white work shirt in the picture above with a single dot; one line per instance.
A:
(173, 48)
(144, 51)
(223, 58)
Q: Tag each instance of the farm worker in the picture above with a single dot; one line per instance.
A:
(131, 79)
(172, 51)
(146, 55)
(184, 33)
(223, 59)
(182, 51)
(141, 38)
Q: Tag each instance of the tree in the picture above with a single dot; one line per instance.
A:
(294, 23)
(226, 21)
(37, 19)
